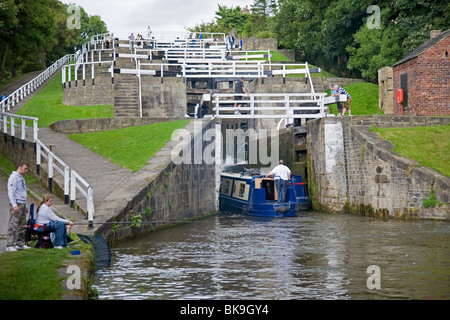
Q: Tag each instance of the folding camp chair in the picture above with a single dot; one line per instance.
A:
(42, 238)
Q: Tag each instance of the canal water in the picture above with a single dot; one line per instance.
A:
(311, 256)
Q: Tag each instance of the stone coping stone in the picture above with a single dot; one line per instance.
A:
(78, 126)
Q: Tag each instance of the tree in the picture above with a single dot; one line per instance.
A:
(260, 21)
(36, 32)
(404, 26)
(8, 23)
(230, 18)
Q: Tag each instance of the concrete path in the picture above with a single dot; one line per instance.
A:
(23, 81)
(102, 175)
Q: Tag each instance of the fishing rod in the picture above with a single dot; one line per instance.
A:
(142, 222)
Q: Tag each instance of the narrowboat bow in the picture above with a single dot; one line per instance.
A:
(257, 196)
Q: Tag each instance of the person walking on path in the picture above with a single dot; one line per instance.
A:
(347, 104)
(282, 174)
(17, 194)
(131, 42)
(239, 88)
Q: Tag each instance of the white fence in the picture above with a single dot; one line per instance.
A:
(70, 72)
(7, 119)
(269, 105)
(28, 88)
(71, 179)
(221, 69)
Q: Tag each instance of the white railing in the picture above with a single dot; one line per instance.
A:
(180, 54)
(180, 38)
(8, 121)
(251, 55)
(86, 190)
(29, 87)
(70, 72)
(270, 105)
(98, 42)
(54, 164)
(221, 69)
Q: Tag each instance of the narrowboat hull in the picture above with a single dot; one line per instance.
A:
(256, 196)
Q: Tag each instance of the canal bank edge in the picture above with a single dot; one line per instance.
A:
(163, 192)
(352, 171)
(77, 273)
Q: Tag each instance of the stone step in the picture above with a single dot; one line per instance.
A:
(126, 84)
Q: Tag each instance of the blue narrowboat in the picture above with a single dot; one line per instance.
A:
(257, 196)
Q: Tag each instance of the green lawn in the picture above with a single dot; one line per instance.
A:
(48, 107)
(364, 99)
(427, 145)
(130, 147)
(33, 274)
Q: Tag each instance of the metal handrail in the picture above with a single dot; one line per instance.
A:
(29, 87)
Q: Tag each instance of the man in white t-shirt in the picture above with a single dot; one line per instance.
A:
(282, 174)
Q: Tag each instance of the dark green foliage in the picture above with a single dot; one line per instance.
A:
(34, 34)
(339, 35)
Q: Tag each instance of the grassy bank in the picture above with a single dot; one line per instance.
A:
(427, 145)
(33, 274)
(133, 146)
(364, 99)
(48, 107)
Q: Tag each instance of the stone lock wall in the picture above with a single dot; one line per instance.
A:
(165, 192)
(353, 171)
(255, 44)
(385, 90)
(163, 100)
(99, 93)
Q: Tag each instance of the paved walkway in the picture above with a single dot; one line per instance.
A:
(101, 174)
(21, 82)
(112, 185)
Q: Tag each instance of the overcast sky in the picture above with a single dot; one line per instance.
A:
(123, 17)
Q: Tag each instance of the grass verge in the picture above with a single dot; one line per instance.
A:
(33, 274)
(48, 107)
(131, 147)
(364, 99)
(427, 145)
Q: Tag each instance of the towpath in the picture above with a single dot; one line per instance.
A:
(103, 176)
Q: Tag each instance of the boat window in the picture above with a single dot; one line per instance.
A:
(226, 187)
(241, 190)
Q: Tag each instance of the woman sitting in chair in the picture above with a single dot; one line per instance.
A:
(48, 220)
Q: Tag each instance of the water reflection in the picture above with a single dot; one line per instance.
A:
(311, 256)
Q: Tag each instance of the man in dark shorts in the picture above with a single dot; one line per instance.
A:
(239, 88)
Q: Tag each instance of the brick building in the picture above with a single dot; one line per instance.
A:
(424, 76)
